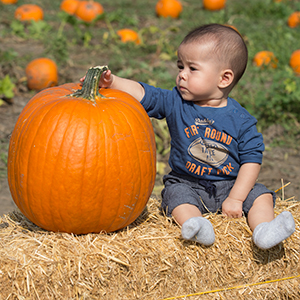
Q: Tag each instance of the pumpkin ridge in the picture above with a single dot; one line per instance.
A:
(66, 162)
(102, 152)
(145, 129)
(120, 112)
(42, 185)
(15, 144)
(134, 199)
(101, 158)
(118, 164)
(84, 169)
(33, 112)
(29, 154)
(115, 111)
(141, 172)
(50, 112)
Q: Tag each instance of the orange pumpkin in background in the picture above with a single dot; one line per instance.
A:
(29, 12)
(81, 162)
(264, 59)
(9, 1)
(88, 11)
(41, 73)
(294, 19)
(295, 61)
(214, 4)
(69, 6)
(128, 35)
(168, 8)
(233, 27)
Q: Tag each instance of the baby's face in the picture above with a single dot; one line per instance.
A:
(199, 74)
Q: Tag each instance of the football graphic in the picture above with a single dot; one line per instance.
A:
(208, 152)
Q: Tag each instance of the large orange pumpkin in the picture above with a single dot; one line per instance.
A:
(294, 19)
(128, 35)
(69, 6)
(29, 12)
(214, 4)
(88, 11)
(265, 58)
(41, 73)
(295, 61)
(168, 8)
(82, 162)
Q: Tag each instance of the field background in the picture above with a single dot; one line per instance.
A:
(271, 95)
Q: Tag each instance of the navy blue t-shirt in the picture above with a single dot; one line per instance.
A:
(206, 142)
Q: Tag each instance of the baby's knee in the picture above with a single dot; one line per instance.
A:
(264, 199)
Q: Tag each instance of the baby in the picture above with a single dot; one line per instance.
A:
(216, 151)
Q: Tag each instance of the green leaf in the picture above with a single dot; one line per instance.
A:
(6, 87)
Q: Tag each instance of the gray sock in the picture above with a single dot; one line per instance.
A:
(198, 229)
(268, 234)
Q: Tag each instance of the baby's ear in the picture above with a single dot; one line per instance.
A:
(226, 78)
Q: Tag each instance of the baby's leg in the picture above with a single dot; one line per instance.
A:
(267, 231)
(194, 226)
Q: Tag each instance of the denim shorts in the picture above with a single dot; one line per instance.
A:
(182, 189)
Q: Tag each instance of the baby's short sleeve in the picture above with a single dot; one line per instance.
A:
(158, 102)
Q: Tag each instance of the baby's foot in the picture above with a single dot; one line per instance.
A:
(268, 234)
(198, 229)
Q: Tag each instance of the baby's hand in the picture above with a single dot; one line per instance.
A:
(106, 79)
(232, 208)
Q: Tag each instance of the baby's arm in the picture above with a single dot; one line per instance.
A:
(108, 80)
(247, 176)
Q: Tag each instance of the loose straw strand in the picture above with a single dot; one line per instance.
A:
(282, 186)
(232, 288)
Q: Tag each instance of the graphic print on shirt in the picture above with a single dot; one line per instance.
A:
(211, 149)
(208, 152)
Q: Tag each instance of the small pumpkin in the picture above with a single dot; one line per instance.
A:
(28, 12)
(88, 11)
(69, 6)
(294, 19)
(41, 73)
(233, 27)
(295, 61)
(80, 161)
(214, 4)
(129, 35)
(265, 58)
(168, 8)
(9, 1)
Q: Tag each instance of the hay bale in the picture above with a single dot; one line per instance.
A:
(146, 260)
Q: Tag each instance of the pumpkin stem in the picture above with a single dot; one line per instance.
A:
(90, 86)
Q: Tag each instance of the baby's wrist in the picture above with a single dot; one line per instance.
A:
(235, 198)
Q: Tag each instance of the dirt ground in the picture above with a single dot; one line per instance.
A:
(281, 165)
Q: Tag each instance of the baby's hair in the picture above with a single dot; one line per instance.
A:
(228, 45)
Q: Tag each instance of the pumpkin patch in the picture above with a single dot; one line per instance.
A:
(147, 259)
(81, 161)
